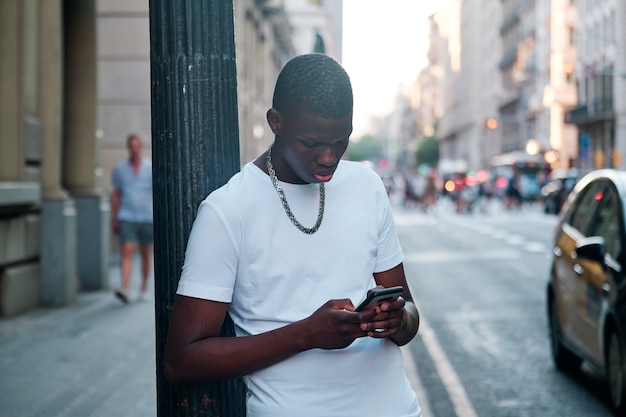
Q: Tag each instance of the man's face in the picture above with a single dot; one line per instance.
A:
(134, 148)
(310, 147)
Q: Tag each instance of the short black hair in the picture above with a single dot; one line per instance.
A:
(315, 83)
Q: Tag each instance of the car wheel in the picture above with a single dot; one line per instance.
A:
(563, 358)
(615, 373)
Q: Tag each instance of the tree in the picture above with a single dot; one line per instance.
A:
(367, 148)
(427, 152)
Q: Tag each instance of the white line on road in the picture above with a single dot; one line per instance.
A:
(416, 383)
(537, 247)
(514, 240)
(460, 256)
(461, 403)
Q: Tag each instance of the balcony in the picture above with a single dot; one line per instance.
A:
(591, 112)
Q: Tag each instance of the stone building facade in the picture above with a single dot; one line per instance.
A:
(74, 82)
(600, 75)
(53, 214)
(503, 76)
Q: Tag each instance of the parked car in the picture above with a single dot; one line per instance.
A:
(555, 192)
(586, 293)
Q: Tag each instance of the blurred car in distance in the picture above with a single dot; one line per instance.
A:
(555, 192)
(586, 292)
(527, 168)
(529, 187)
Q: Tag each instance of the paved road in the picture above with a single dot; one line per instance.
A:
(483, 347)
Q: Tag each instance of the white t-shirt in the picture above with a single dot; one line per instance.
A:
(244, 250)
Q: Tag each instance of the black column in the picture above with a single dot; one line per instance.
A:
(195, 148)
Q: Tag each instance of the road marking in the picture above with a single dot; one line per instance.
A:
(486, 229)
(514, 240)
(460, 401)
(414, 380)
(460, 256)
(537, 247)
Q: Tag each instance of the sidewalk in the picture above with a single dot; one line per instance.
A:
(95, 358)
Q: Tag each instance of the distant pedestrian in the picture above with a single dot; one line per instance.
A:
(430, 195)
(131, 215)
(512, 195)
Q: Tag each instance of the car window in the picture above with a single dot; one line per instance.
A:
(608, 222)
(585, 206)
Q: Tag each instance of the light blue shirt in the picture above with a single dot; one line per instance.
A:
(135, 190)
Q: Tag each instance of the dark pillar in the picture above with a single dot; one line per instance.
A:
(195, 149)
(80, 154)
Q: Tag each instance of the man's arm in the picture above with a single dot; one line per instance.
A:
(195, 353)
(116, 198)
(400, 319)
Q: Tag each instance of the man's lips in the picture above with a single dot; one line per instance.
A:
(323, 177)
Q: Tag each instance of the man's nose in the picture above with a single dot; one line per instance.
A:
(327, 156)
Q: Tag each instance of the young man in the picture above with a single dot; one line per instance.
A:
(288, 247)
(131, 215)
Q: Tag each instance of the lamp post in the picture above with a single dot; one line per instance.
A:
(195, 145)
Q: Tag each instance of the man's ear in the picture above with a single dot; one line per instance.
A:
(274, 120)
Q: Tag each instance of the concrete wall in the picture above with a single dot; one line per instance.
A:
(123, 96)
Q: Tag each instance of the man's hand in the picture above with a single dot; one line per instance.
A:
(409, 316)
(116, 198)
(387, 320)
(335, 325)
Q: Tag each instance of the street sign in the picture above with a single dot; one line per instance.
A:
(585, 141)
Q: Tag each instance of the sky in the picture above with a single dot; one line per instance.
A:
(384, 47)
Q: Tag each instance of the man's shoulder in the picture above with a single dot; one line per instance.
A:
(352, 166)
(146, 163)
(353, 169)
(239, 184)
(120, 165)
(122, 162)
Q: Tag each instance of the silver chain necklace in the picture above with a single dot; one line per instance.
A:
(283, 199)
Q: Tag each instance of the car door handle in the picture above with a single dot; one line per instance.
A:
(578, 269)
(557, 252)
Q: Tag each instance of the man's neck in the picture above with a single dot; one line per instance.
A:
(135, 162)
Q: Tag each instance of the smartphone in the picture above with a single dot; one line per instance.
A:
(380, 296)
